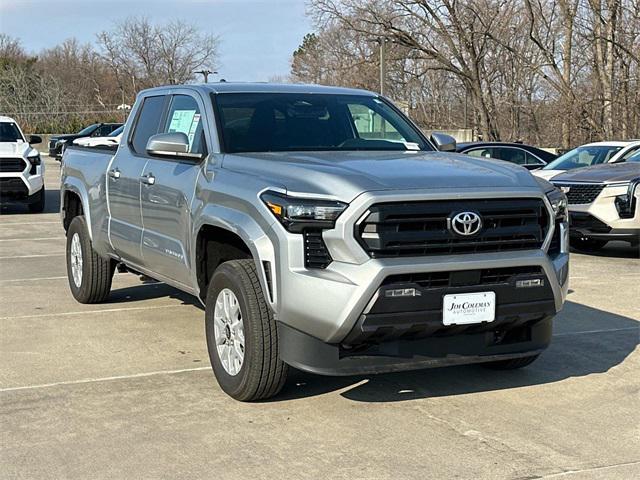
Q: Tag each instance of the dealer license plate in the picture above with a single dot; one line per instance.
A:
(466, 308)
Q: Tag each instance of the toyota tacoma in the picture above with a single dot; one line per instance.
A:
(321, 230)
(21, 168)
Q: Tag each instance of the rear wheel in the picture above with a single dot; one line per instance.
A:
(511, 364)
(587, 244)
(89, 274)
(36, 201)
(241, 332)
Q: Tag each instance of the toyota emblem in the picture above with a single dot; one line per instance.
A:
(465, 223)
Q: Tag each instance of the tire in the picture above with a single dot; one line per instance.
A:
(36, 204)
(512, 364)
(259, 373)
(94, 283)
(587, 244)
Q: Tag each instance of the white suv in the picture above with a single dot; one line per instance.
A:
(588, 155)
(21, 168)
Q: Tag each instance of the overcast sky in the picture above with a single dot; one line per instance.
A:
(258, 36)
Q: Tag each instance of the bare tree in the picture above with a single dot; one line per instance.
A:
(144, 55)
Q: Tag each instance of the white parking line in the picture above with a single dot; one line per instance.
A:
(28, 238)
(88, 312)
(585, 332)
(197, 369)
(104, 379)
(15, 280)
(31, 223)
(33, 256)
(31, 279)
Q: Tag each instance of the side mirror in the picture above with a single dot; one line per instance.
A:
(171, 145)
(443, 142)
(34, 139)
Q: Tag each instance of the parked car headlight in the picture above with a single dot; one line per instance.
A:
(34, 159)
(296, 214)
(626, 204)
(558, 201)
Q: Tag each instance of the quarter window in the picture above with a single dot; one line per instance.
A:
(148, 122)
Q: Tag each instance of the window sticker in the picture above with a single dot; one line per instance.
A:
(185, 121)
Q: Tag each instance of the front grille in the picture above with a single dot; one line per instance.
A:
(578, 194)
(316, 254)
(420, 228)
(485, 276)
(52, 144)
(12, 165)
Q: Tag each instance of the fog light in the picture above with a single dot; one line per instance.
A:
(532, 282)
(402, 292)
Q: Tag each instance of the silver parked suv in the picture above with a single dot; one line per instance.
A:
(321, 230)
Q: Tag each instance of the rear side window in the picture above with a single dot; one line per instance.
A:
(185, 116)
(533, 160)
(481, 152)
(148, 122)
(513, 155)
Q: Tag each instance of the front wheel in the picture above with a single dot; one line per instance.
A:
(241, 333)
(89, 274)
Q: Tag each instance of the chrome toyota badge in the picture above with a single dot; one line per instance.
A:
(465, 224)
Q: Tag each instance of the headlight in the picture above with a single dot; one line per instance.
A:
(626, 204)
(62, 142)
(296, 214)
(558, 201)
(34, 160)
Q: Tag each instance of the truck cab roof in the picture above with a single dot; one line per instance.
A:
(266, 87)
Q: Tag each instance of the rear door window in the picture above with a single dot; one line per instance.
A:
(533, 160)
(513, 155)
(481, 153)
(148, 122)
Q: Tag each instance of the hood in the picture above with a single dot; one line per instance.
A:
(15, 149)
(606, 173)
(347, 174)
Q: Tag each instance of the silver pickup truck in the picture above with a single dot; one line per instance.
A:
(321, 230)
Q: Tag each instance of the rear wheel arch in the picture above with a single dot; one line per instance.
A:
(72, 207)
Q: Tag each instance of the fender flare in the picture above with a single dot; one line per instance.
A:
(254, 236)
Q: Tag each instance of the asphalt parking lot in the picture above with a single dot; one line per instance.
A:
(124, 390)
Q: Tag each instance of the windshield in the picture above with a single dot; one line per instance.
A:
(583, 157)
(117, 131)
(9, 132)
(87, 130)
(281, 122)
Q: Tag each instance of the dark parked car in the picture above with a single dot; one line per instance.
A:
(529, 157)
(58, 143)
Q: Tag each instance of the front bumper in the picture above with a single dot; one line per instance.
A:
(18, 186)
(307, 353)
(600, 219)
(328, 303)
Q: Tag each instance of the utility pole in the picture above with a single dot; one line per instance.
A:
(205, 73)
(383, 63)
